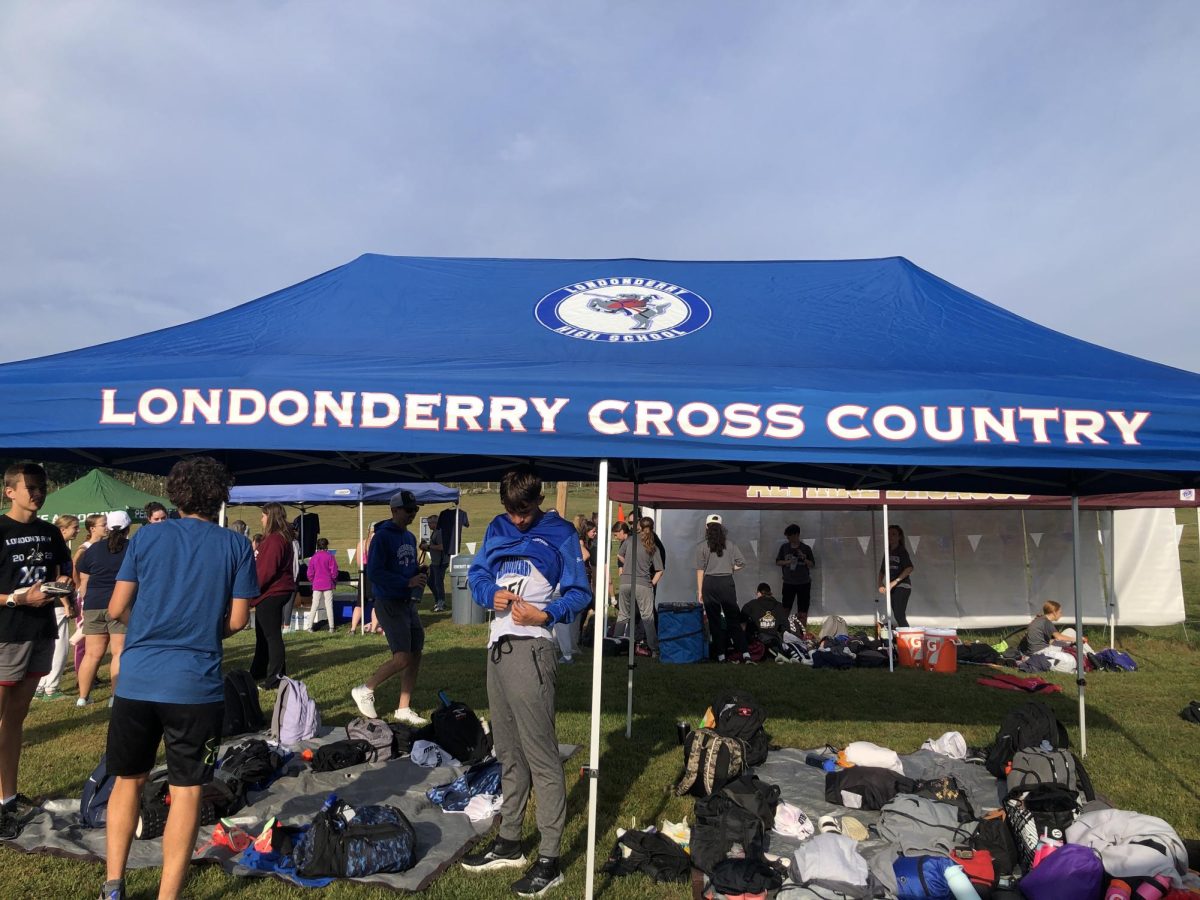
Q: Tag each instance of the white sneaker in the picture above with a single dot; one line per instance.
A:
(364, 699)
(407, 717)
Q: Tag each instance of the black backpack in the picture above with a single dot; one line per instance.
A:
(650, 853)
(243, 714)
(342, 754)
(994, 836)
(710, 761)
(252, 762)
(865, 787)
(458, 731)
(1026, 726)
(739, 716)
(219, 798)
(742, 816)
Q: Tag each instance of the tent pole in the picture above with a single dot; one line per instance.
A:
(1112, 577)
(362, 571)
(603, 544)
(1079, 679)
(221, 516)
(631, 622)
(457, 526)
(887, 584)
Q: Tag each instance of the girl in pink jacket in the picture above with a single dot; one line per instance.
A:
(323, 573)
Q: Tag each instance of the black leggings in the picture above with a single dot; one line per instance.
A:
(802, 595)
(900, 595)
(269, 664)
(720, 596)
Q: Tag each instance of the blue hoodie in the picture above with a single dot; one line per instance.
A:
(392, 562)
(552, 545)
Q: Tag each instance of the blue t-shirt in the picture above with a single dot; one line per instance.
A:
(187, 571)
(100, 565)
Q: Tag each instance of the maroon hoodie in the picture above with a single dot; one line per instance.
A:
(274, 565)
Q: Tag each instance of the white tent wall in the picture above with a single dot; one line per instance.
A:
(970, 565)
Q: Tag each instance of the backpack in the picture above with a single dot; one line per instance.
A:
(738, 715)
(93, 804)
(947, 790)
(994, 838)
(295, 717)
(917, 825)
(1030, 767)
(871, 659)
(458, 731)
(979, 654)
(865, 787)
(1072, 872)
(830, 658)
(918, 877)
(979, 866)
(243, 713)
(650, 853)
(1045, 810)
(741, 813)
(745, 878)
(402, 737)
(710, 761)
(374, 732)
(253, 763)
(832, 627)
(218, 799)
(352, 843)
(1111, 660)
(342, 754)
(1026, 726)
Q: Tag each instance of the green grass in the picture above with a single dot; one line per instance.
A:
(1141, 755)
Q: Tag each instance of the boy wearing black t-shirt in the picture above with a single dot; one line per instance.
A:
(32, 552)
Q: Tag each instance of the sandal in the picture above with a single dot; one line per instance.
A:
(854, 829)
(828, 825)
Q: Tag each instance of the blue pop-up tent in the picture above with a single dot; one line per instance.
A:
(863, 374)
(310, 494)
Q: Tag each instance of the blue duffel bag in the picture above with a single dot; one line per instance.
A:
(681, 637)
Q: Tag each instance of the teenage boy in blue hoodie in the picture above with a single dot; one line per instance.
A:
(525, 554)
(394, 576)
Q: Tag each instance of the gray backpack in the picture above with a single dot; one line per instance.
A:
(832, 627)
(375, 732)
(1032, 767)
(918, 826)
(295, 717)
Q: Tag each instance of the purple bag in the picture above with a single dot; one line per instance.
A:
(1072, 872)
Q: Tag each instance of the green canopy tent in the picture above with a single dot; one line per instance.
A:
(97, 492)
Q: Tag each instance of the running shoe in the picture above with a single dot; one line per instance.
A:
(364, 699)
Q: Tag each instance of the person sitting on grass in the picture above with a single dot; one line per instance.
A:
(183, 587)
(1041, 630)
(766, 619)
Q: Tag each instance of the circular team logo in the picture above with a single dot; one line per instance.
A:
(623, 311)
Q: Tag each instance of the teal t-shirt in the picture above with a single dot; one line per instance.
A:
(186, 571)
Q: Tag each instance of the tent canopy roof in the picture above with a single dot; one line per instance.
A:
(99, 492)
(861, 373)
(294, 494)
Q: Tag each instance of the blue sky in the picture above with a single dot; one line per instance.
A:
(163, 161)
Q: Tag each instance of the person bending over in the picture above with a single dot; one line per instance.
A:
(1041, 630)
(183, 587)
(525, 554)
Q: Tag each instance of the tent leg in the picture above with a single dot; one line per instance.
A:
(1112, 578)
(1079, 679)
(631, 622)
(221, 516)
(362, 570)
(887, 583)
(592, 773)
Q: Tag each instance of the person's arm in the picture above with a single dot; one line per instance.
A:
(739, 561)
(783, 557)
(75, 558)
(83, 583)
(700, 585)
(583, 552)
(659, 570)
(239, 616)
(809, 557)
(484, 590)
(120, 604)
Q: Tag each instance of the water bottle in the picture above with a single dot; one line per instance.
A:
(960, 884)
(295, 620)
(444, 697)
(817, 761)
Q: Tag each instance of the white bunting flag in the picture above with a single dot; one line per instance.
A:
(915, 540)
(350, 554)
(1037, 537)
(974, 539)
(1100, 537)
(864, 542)
(754, 547)
(1178, 534)
(470, 546)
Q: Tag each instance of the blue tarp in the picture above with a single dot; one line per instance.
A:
(864, 373)
(305, 494)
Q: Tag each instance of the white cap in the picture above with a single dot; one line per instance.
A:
(714, 519)
(118, 518)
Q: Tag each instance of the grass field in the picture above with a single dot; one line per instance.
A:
(1141, 755)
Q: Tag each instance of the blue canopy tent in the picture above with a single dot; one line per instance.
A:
(858, 374)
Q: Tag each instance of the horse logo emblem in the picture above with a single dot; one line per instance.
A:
(623, 310)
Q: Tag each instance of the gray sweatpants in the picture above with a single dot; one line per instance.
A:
(521, 677)
(645, 605)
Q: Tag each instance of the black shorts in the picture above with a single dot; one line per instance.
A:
(192, 732)
(401, 624)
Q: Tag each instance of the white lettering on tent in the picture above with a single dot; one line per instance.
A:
(974, 539)
(342, 411)
(463, 408)
(1039, 418)
(371, 400)
(108, 411)
(742, 421)
(507, 410)
(419, 414)
(1128, 427)
(602, 425)
(929, 416)
(985, 420)
(194, 402)
(845, 432)
(784, 422)
(299, 403)
(712, 419)
(146, 411)
(653, 412)
(238, 414)
(548, 411)
(1083, 423)
(908, 426)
